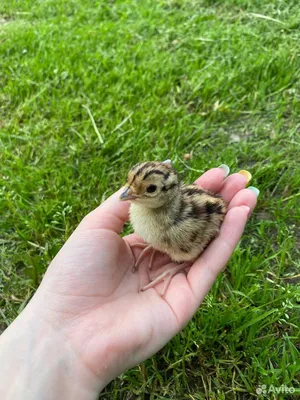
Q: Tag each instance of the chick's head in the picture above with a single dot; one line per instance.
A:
(152, 184)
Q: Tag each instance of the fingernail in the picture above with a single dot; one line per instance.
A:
(246, 174)
(255, 190)
(225, 168)
(246, 208)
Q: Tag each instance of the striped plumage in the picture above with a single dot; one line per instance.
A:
(174, 218)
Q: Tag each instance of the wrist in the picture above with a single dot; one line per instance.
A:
(37, 362)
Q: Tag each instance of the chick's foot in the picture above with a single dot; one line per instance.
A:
(166, 276)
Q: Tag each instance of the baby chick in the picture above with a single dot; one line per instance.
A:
(177, 219)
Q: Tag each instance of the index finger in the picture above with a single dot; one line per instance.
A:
(212, 179)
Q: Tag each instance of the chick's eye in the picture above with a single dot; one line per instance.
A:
(151, 189)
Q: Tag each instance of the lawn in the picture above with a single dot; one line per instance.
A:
(89, 88)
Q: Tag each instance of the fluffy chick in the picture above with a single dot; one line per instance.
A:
(177, 219)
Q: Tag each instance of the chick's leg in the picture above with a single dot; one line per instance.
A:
(140, 245)
(166, 276)
(146, 247)
(152, 258)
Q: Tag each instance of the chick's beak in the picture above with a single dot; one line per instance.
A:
(127, 194)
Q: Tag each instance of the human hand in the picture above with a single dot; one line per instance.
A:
(90, 298)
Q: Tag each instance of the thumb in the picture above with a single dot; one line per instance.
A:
(111, 215)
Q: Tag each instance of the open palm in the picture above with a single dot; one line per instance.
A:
(92, 298)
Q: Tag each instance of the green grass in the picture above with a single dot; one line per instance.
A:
(217, 79)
